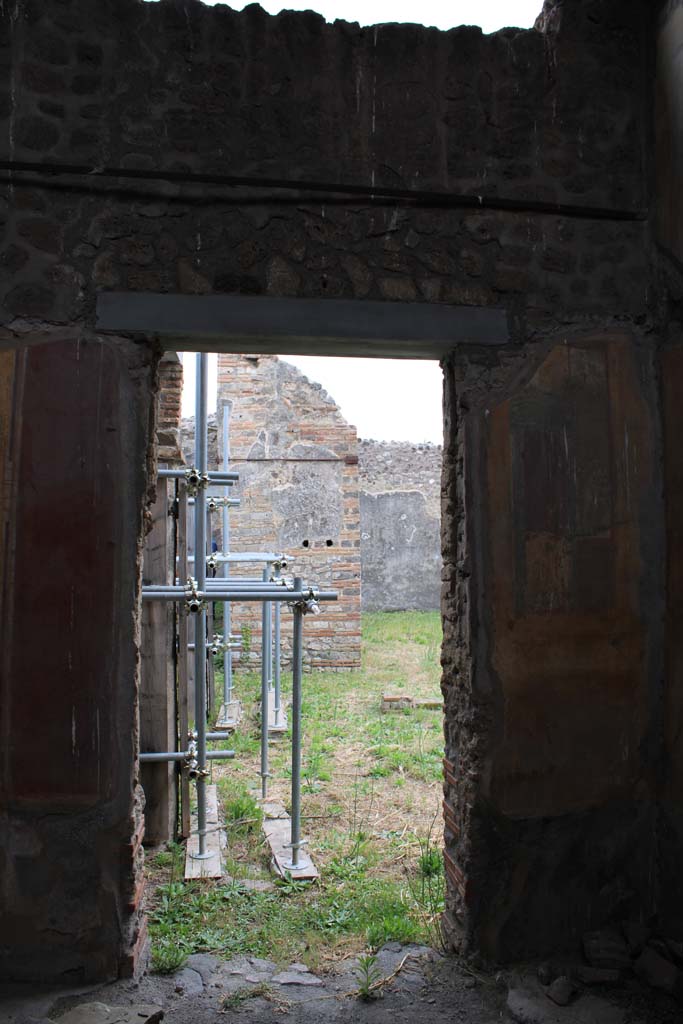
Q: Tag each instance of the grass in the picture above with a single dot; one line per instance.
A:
(370, 798)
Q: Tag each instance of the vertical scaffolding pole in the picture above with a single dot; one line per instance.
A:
(297, 669)
(265, 647)
(276, 658)
(225, 547)
(200, 617)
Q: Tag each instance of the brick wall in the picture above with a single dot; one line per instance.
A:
(298, 465)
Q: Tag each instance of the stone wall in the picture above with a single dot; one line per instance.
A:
(298, 465)
(561, 718)
(399, 488)
(400, 498)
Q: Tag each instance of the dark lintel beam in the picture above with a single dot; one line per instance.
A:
(239, 323)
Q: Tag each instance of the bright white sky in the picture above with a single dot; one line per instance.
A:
(388, 399)
(444, 14)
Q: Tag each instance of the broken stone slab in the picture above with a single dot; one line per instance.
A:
(204, 964)
(101, 1013)
(301, 968)
(607, 948)
(295, 978)
(188, 982)
(658, 972)
(561, 991)
(597, 975)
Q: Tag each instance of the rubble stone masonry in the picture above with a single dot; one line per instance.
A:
(561, 598)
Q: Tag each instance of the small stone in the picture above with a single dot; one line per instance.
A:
(36, 133)
(656, 971)
(545, 973)
(606, 948)
(398, 289)
(41, 234)
(282, 280)
(301, 968)
(29, 300)
(188, 982)
(597, 975)
(295, 978)
(190, 281)
(561, 991)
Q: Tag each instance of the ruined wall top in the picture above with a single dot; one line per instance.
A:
(516, 117)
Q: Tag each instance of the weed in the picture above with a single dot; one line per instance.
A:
(289, 886)
(369, 977)
(235, 1000)
(392, 928)
(243, 813)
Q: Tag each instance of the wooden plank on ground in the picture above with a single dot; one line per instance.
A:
(277, 828)
(229, 716)
(279, 727)
(212, 867)
(399, 701)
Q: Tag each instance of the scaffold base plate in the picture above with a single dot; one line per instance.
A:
(212, 867)
(277, 828)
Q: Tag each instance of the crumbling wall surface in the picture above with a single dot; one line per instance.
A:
(298, 463)
(552, 773)
(71, 821)
(400, 498)
(185, 87)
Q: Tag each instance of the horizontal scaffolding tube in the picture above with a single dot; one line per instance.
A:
(220, 583)
(165, 755)
(241, 595)
(213, 476)
(245, 556)
(185, 755)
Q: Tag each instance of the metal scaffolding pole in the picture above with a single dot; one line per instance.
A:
(200, 623)
(277, 664)
(225, 546)
(298, 861)
(265, 648)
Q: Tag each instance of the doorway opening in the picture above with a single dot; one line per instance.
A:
(356, 517)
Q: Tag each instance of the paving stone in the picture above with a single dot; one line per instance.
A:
(188, 982)
(204, 964)
(101, 1013)
(262, 965)
(301, 968)
(295, 978)
(606, 948)
(561, 991)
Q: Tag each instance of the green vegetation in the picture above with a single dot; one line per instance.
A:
(370, 798)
